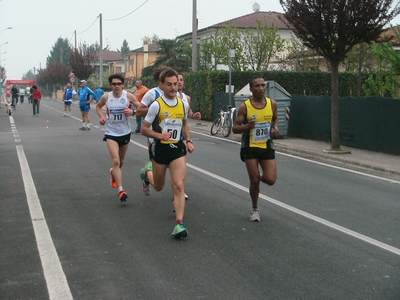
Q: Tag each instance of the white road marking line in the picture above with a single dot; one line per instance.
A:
(308, 160)
(303, 213)
(56, 281)
(298, 211)
(295, 210)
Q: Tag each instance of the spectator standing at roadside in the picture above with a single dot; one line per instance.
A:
(257, 121)
(14, 95)
(98, 93)
(69, 93)
(37, 96)
(84, 94)
(21, 94)
(139, 94)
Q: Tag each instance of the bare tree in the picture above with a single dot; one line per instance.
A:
(82, 60)
(333, 28)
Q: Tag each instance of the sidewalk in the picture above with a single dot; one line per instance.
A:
(361, 160)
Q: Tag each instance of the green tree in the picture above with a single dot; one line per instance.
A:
(60, 52)
(262, 45)
(3, 76)
(301, 58)
(333, 28)
(386, 53)
(174, 53)
(95, 47)
(28, 75)
(151, 40)
(125, 47)
(361, 61)
(254, 47)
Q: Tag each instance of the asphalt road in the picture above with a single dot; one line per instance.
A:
(326, 233)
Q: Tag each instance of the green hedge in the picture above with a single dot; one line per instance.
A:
(202, 85)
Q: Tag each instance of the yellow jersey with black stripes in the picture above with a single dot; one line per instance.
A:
(170, 118)
(260, 135)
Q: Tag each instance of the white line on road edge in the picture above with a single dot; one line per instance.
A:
(308, 160)
(56, 281)
(304, 214)
(298, 211)
(295, 210)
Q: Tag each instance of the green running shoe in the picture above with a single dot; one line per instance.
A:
(180, 231)
(147, 167)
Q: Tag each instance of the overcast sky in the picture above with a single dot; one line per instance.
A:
(37, 24)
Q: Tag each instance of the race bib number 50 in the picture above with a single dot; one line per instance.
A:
(175, 127)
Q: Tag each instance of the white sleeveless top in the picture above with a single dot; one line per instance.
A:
(117, 123)
(183, 96)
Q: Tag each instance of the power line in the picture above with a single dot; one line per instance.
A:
(69, 41)
(89, 26)
(127, 14)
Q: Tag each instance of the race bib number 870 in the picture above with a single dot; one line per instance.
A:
(261, 132)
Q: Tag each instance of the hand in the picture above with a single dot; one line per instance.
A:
(189, 147)
(166, 135)
(102, 121)
(275, 132)
(251, 124)
(128, 112)
(197, 116)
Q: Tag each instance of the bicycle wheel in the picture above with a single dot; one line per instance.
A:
(215, 126)
(226, 127)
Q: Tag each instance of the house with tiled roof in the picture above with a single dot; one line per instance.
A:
(269, 18)
(247, 21)
(112, 61)
(137, 59)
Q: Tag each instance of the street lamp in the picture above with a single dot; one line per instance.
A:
(231, 55)
(5, 29)
(0, 49)
(194, 36)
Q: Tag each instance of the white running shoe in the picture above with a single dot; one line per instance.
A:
(254, 216)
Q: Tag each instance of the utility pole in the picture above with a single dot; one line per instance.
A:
(194, 37)
(75, 39)
(101, 51)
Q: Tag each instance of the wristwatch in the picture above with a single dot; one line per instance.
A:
(189, 141)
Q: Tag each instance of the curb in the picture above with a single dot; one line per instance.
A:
(323, 157)
(334, 159)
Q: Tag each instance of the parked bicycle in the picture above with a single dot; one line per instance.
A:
(223, 121)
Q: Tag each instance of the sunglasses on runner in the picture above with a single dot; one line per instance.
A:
(116, 83)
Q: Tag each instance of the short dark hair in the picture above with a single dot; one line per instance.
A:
(116, 76)
(34, 87)
(168, 72)
(254, 78)
(157, 71)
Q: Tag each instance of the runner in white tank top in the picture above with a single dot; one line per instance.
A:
(117, 124)
(118, 127)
